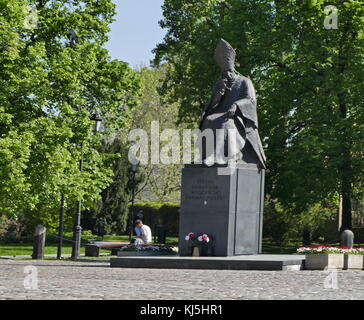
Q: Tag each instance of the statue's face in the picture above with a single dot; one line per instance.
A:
(228, 74)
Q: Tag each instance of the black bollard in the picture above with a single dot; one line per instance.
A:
(39, 242)
(161, 233)
(306, 237)
(347, 238)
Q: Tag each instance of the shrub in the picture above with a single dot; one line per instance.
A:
(162, 213)
(11, 227)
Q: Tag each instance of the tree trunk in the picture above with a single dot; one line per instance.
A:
(346, 205)
(345, 172)
(345, 169)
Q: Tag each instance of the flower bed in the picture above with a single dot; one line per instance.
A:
(321, 257)
(147, 250)
(330, 250)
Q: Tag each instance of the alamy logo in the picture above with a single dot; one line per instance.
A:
(31, 278)
(31, 20)
(331, 20)
(173, 146)
(331, 281)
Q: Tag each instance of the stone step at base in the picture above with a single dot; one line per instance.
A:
(246, 262)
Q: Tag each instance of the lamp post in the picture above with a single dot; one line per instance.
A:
(61, 227)
(78, 229)
(98, 119)
(134, 169)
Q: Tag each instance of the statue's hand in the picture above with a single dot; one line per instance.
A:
(230, 114)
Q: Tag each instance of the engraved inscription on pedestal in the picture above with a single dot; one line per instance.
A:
(204, 190)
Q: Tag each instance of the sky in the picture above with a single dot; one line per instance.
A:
(136, 31)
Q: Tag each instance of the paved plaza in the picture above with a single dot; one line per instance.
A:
(96, 280)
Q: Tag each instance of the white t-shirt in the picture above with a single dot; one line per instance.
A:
(146, 233)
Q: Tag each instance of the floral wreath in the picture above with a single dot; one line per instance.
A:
(200, 237)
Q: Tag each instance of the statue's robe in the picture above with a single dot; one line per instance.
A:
(245, 145)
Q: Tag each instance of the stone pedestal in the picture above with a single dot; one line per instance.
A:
(225, 203)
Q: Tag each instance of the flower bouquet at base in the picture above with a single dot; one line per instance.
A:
(201, 240)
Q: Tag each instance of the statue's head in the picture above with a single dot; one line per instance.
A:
(225, 56)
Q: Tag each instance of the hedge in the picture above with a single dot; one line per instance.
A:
(162, 213)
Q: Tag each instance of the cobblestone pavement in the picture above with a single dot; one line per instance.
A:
(96, 280)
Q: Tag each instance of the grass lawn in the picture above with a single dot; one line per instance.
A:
(14, 249)
(270, 247)
(27, 249)
(20, 249)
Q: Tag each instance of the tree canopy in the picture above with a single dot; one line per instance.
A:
(309, 81)
(54, 76)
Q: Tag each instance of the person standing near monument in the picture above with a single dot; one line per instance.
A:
(143, 233)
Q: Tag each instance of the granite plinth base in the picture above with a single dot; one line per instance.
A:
(225, 203)
(243, 262)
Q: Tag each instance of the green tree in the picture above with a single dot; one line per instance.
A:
(50, 85)
(153, 182)
(161, 182)
(111, 211)
(281, 224)
(309, 82)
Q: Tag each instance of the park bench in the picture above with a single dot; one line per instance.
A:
(92, 249)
